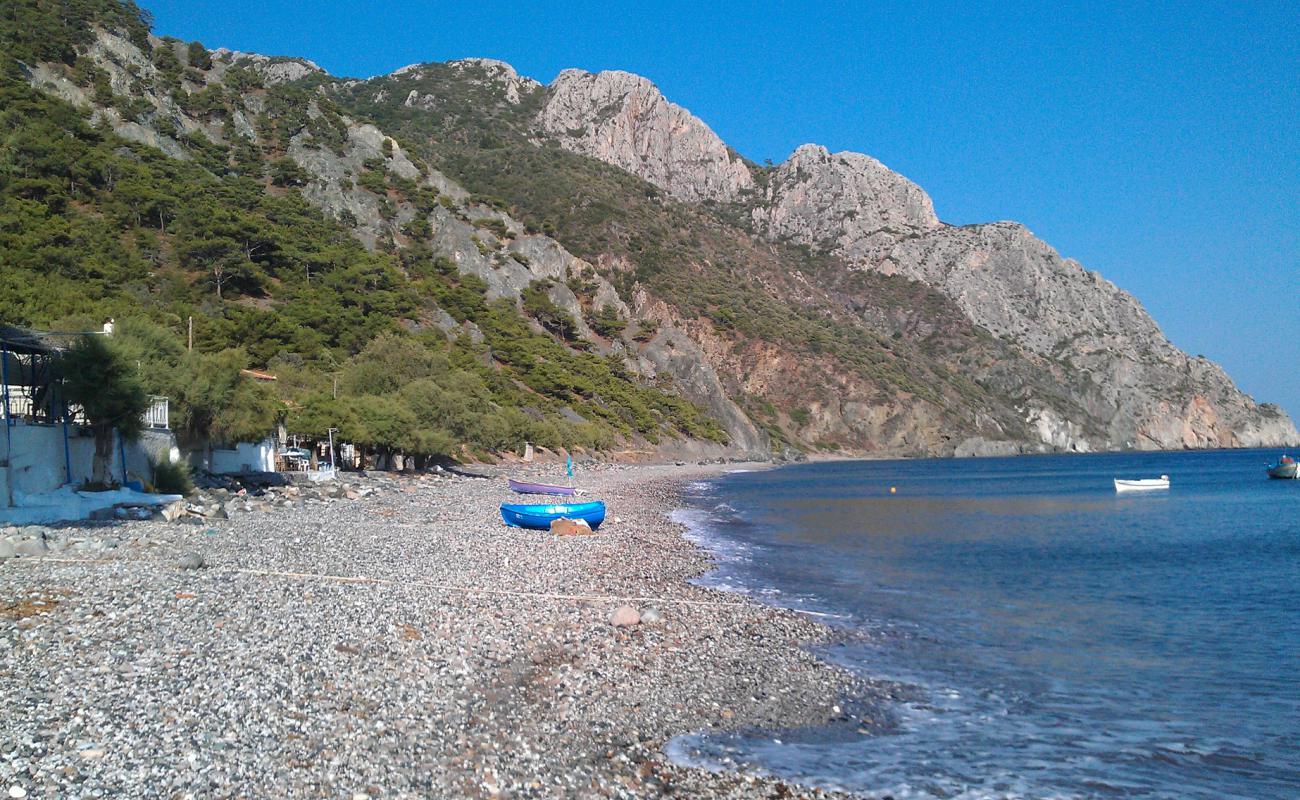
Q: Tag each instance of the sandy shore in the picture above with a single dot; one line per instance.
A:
(404, 644)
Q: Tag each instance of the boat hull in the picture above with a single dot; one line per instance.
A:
(1143, 485)
(540, 517)
(1285, 472)
(526, 487)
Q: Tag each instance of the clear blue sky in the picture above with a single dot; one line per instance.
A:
(1157, 144)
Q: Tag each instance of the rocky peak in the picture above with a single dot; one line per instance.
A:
(498, 73)
(846, 203)
(271, 69)
(624, 120)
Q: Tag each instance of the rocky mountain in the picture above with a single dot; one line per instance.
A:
(816, 305)
(1146, 392)
(622, 119)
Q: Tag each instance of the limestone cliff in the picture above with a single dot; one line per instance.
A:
(623, 119)
(845, 203)
(1142, 390)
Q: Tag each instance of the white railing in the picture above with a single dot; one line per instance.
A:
(21, 406)
(158, 414)
(20, 402)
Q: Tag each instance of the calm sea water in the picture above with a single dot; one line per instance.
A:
(1045, 637)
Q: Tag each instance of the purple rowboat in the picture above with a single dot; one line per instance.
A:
(524, 487)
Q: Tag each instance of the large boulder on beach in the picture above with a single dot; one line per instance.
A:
(570, 527)
(624, 617)
(7, 550)
(30, 547)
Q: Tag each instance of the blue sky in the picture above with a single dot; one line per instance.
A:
(1157, 144)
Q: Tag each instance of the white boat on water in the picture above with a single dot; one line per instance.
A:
(1141, 484)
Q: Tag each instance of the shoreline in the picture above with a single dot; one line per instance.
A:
(402, 644)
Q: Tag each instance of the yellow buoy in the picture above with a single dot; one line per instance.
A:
(892, 490)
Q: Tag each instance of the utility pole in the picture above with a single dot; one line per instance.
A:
(331, 433)
(191, 333)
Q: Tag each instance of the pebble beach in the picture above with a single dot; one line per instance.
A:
(398, 642)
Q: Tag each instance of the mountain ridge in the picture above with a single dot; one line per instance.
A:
(850, 205)
(792, 327)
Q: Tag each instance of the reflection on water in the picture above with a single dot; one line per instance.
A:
(1058, 639)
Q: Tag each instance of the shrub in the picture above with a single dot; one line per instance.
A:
(172, 477)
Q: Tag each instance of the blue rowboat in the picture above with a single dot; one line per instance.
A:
(518, 515)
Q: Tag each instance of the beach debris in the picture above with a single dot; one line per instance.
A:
(651, 616)
(624, 617)
(191, 560)
(136, 513)
(172, 511)
(570, 527)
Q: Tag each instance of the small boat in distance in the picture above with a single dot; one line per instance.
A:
(541, 516)
(526, 487)
(1141, 484)
(1286, 468)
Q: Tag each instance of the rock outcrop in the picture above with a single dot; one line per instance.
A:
(488, 73)
(1123, 371)
(623, 119)
(845, 203)
(272, 70)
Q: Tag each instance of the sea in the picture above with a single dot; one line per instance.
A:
(1030, 632)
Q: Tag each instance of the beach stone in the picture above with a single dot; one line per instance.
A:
(17, 792)
(624, 617)
(172, 511)
(30, 547)
(651, 616)
(137, 513)
(191, 560)
(570, 527)
(7, 550)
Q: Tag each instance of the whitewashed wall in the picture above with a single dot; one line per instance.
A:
(246, 457)
(39, 464)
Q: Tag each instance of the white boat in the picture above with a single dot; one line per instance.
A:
(1141, 484)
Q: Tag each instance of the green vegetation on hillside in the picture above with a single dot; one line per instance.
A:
(698, 259)
(902, 338)
(93, 226)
